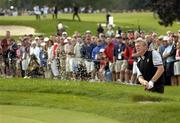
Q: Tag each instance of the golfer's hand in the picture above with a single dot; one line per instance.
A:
(145, 83)
(150, 85)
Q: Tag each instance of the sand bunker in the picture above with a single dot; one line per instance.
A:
(16, 30)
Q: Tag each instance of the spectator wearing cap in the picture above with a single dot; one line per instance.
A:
(64, 35)
(95, 51)
(43, 56)
(118, 56)
(86, 54)
(159, 42)
(77, 60)
(163, 46)
(69, 51)
(61, 55)
(169, 56)
(36, 39)
(46, 39)
(25, 60)
(104, 66)
(35, 50)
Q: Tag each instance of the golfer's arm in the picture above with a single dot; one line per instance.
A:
(142, 80)
(140, 77)
(159, 72)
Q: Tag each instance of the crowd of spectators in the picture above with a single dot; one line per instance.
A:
(108, 56)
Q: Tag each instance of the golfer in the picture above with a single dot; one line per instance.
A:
(149, 67)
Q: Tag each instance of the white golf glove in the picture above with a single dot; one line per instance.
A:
(150, 84)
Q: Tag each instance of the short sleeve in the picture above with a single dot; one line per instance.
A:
(157, 59)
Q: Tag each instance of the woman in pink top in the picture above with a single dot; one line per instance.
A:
(177, 65)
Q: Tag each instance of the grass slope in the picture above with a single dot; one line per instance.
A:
(127, 104)
(29, 114)
(89, 22)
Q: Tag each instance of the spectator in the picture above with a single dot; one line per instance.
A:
(12, 57)
(107, 18)
(169, 57)
(100, 29)
(177, 65)
(2, 65)
(128, 56)
(55, 12)
(76, 12)
(118, 56)
(4, 46)
(109, 52)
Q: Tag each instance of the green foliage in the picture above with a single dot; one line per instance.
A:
(167, 10)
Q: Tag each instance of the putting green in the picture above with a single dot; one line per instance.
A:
(29, 114)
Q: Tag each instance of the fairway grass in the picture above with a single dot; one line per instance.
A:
(29, 114)
(119, 103)
(126, 21)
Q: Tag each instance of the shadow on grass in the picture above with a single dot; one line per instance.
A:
(149, 98)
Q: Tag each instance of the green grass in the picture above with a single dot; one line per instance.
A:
(89, 22)
(126, 104)
(117, 103)
(31, 114)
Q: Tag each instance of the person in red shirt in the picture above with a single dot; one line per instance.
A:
(5, 44)
(109, 52)
(128, 56)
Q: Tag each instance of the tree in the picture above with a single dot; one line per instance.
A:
(167, 10)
